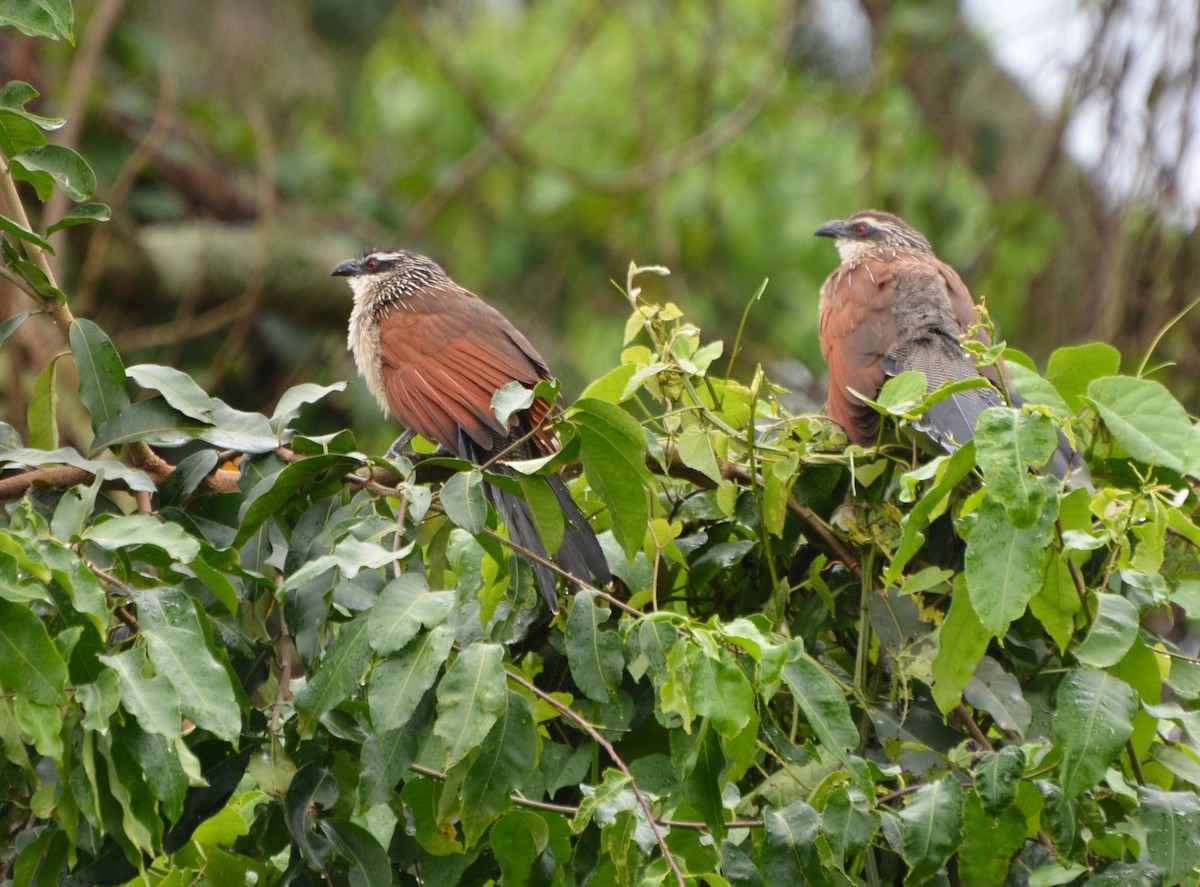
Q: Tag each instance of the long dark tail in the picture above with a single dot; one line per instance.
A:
(579, 555)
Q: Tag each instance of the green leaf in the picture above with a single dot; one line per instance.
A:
(962, 641)
(30, 664)
(518, 840)
(398, 684)
(849, 824)
(928, 506)
(1004, 564)
(18, 132)
(722, 693)
(30, 272)
(997, 776)
(903, 393)
(469, 699)
(153, 700)
(405, 605)
(42, 415)
(177, 388)
(931, 827)
(696, 451)
(68, 170)
(102, 385)
(511, 398)
(593, 654)
(1147, 420)
(464, 501)
(997, 692)
(40, 18)
(10, 326)
(1027, 384)
(83, 214)
(613, 452)
(789, 853)
(823, 703)
(547, 513)
(1111, 634)
(288, 407)
(368, 862)
(1093, 721)
(1172, 823)
(990, 840)
(505, 761)
(133, 478)
(296, 480)
(703, 764)
(337, 676)
(152, 420)
(179, 650)
(1072, 369)
(1007, 442)
(312, 791)
(125, 531)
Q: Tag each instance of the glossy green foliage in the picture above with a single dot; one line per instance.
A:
(274, 659)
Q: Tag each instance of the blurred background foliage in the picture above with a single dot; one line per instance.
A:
(536, 148)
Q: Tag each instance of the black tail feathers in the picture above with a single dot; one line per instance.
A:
(579, 555)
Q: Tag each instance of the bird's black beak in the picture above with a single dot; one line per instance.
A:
(349, 268)
(836, 228)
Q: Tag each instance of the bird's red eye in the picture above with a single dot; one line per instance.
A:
(371, 264)
(861, 229)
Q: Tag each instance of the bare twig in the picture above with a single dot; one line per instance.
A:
(582, 723)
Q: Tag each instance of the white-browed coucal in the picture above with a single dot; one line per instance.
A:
(893, 306)
(435, 355)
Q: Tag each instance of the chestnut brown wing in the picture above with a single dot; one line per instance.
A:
(445, 354)
(857, 329)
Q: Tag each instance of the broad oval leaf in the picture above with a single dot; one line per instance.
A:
(823, 703)
(1172, 822)
(30, 664)
(406, 605)
(102, 385)
(1112, 632)
(613, 452)
(1093, 721)
(1004, 563)
(997, 692)
(1147, 420)
(593, 653)
(997, 775)
(398, 684)
(469, 699)
(932, 827)
(179, 650)
(789, 854)
(464, 500)
(337, 676)
(69, 171)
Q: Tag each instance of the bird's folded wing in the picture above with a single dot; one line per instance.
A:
(444, 359)
(857, 328)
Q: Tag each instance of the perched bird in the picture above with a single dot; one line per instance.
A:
(893, 306)
(435, 355)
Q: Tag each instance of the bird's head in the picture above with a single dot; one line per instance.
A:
(871, 230)
(384, 275)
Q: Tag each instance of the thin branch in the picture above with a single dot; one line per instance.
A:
(574, 717)
(967, 721)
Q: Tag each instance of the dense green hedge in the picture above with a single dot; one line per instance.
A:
(251, 654)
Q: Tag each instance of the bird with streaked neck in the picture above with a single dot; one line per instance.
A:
(894, 306)
(434, 355)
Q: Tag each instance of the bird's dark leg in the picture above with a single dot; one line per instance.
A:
(399, 444)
